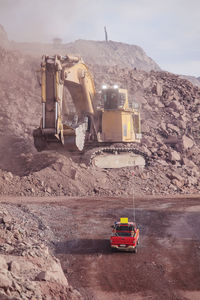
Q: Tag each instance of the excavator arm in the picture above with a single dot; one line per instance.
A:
(56, 72)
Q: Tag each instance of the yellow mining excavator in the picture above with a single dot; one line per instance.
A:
(97, 119)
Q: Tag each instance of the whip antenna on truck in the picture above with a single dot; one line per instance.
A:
(133, 196)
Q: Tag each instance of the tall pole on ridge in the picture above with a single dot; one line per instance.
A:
(106, 34)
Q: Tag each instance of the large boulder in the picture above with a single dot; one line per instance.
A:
(157, 89)
(176, 105)
(174, 128)
(187, 142)
(53, 273)
(174, 156)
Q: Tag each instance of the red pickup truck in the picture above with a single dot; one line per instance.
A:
(125, 236)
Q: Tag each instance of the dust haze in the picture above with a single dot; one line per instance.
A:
(169, 32)
(57, 207)
(41, 21)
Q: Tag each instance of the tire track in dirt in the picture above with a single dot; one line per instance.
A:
(167, 265)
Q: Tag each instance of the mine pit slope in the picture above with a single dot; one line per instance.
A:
(170, 108)
(56, 209)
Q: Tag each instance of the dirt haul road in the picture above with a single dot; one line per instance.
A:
(167, 265)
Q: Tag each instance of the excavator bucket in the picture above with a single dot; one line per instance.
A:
(73, 138)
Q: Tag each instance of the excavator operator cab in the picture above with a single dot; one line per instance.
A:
(120, 122)
(113, 98)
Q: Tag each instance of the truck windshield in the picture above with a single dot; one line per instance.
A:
(124, 228)
(123, 234)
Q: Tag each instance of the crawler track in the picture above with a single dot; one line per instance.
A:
(116, 150)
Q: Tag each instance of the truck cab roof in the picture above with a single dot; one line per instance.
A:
(129, 223)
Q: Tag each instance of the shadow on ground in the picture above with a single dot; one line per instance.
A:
(84, 246)
(19, 156)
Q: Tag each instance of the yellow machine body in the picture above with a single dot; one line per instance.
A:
(120, 123)
(115, 121)
(117, 126)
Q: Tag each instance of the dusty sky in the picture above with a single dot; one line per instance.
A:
(168, 31)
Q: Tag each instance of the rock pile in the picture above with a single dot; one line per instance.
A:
(170, 125)
(27, 269)
(170, 108)
(170, 119)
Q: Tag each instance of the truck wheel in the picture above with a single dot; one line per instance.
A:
(135, 250)
(138, 242)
